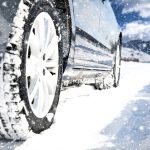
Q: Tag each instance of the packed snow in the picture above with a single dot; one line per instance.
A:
(88, 119)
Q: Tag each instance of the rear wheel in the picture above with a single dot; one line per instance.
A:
(117, 65)
(32, 72)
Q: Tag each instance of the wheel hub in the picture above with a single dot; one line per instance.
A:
(42, 64)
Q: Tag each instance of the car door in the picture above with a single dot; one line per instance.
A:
(88, 54)
(87, 13)
(109, 29)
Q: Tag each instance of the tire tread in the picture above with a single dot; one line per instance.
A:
(13, 123)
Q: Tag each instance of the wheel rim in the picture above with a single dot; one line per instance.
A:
(117, 64)
(42, 65)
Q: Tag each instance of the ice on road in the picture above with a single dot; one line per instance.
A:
(88, 119)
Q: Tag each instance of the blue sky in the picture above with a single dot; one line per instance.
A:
(134, 18)
(124, 18)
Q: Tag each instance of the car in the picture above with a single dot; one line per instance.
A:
(44, 43)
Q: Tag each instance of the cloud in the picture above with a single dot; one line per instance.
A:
(134, 17)
(142, 7)
(137, 30)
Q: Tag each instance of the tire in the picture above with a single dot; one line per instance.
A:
(31, 73)
(117, 64)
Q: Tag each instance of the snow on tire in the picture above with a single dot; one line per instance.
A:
(19, 114)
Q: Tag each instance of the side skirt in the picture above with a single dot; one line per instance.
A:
(90, 53)
(99, 79)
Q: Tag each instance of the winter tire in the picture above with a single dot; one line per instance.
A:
(117, 64)
(32, 71)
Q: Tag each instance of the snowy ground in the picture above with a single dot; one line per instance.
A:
(129, 53)
(88, 119)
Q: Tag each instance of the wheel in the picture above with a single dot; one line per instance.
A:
(117, 64)
(32, 71)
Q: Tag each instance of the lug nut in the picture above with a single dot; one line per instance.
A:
(44, 57)
(43, 71)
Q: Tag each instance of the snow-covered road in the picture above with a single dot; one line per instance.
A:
(88, 119)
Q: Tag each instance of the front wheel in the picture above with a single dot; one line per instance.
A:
(32, 71)
(117, 64)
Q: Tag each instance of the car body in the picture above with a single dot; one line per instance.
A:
(86, 48)
(94, 34)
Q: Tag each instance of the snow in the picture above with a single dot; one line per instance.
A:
(131, 53)
(4, 4)
(88, 119)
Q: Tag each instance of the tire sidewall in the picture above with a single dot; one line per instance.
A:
(117, 78)
(35, 123)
